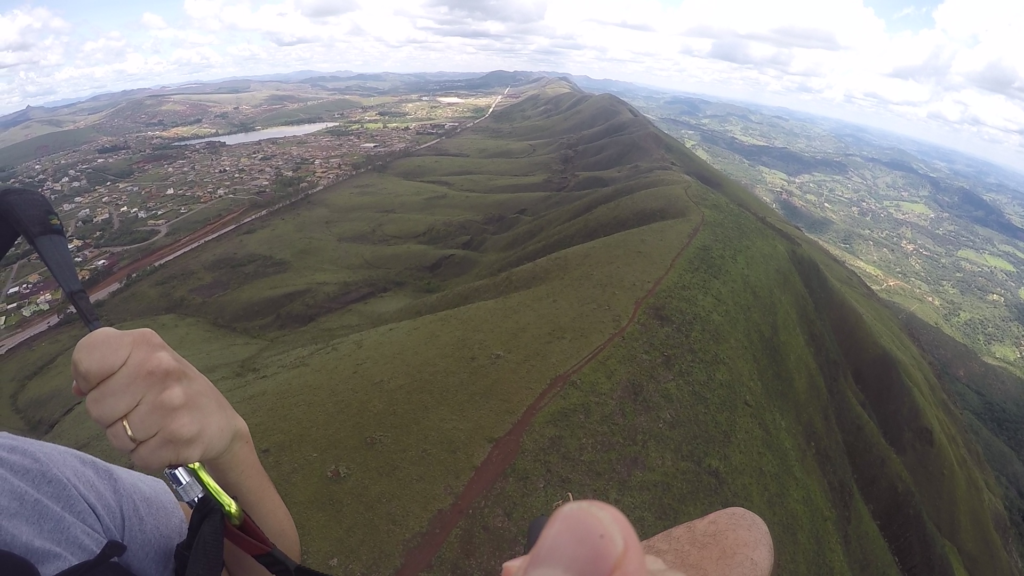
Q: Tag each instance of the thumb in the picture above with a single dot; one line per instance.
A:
(587, 538)
(99, 355)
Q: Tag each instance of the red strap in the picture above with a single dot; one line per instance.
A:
(248, 537)
(251, 540)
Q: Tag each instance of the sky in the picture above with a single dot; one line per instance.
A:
(947, 71)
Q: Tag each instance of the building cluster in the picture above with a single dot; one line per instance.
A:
(144, 180)
(181, 179)
(169, 184)
(435, 128)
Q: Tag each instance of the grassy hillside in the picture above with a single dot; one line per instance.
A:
(763, 374)
(936, 233)
(381, 336)
(31, 129)
(391, 320)
(991, 399)
(46, 144)
(320, 111)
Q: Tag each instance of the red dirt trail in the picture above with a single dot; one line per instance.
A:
(145, 261)
(503, 452)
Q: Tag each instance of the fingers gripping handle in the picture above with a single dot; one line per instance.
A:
(185, 485)
(192, 481)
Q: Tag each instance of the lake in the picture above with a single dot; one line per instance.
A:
(278, 132)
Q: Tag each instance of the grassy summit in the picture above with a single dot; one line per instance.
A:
(381, 336)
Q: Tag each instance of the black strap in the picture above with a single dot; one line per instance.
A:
(12, 564)
(279, 564)
(201, 553)
(533, 532)
(103, 564)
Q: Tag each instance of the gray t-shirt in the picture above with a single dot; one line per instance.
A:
(58, 507)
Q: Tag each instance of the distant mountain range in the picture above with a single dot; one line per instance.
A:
(496, 77)
(372, 84)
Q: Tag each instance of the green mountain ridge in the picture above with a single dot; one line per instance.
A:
(892, 428)
(991, 399)
(937, 234)
(392, 327)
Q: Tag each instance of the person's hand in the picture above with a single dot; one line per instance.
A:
(175, 414)
(587, 538)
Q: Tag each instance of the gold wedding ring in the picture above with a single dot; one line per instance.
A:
(128, 430)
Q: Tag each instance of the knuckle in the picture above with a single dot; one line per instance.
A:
(161, 366)
(114, 440)
(94, 407)
(147, 336)
(173, 399)
(80, 360)
(97, 356)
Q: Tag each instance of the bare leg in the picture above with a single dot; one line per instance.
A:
(730, 542)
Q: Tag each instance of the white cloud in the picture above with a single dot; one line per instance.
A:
(29, 36)
(326, 8)
(112, 42)
(966, 74)
(503, 11)
(150, 20)
(909, 11)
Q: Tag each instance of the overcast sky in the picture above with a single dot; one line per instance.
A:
(951, 71)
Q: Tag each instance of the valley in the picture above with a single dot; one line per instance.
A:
(563, 298)
(142, 180)
(935, 232)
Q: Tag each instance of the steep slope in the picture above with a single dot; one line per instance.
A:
(380, 335)
(492, 80)
(383, 336)
(46, 144)
(991, 399)
(764, 374)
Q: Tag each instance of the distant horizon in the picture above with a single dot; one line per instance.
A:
(299, 75)
(948, 72)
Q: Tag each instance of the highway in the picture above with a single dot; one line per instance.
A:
(10, 281)
(27, 333)
(469, 125)
(48, 321)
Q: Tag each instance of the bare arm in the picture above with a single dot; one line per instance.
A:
(242, 476)
(178, 416)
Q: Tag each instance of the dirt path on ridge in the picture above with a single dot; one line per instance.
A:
(503, 452)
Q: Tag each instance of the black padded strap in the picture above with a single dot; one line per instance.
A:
(12, 564)
(103, 564)
(202, 551)
(533, 532)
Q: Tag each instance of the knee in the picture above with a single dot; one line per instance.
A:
(750, 533)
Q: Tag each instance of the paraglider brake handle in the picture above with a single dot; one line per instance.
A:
(29, 214)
